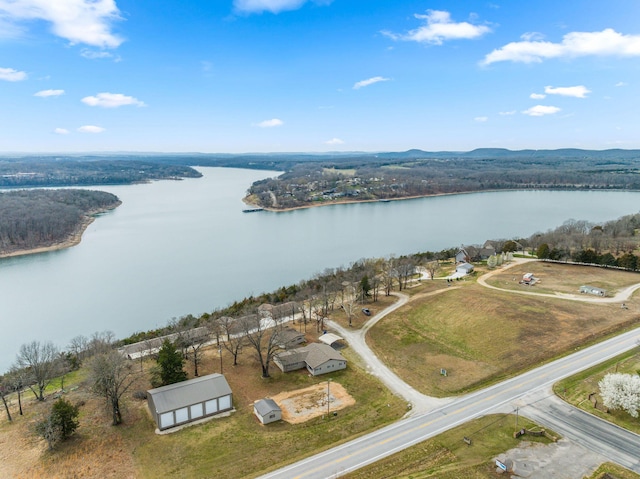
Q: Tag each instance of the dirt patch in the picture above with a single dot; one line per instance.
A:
(303, 404)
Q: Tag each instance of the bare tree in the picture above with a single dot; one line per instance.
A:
(432, 268)
(101, 343)
(40, 361)
(5, 390)
(111, 376)
(78, 348)
(232, 338)
(349, 300)
(263, 337)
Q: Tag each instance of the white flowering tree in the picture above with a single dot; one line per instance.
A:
(621, 391)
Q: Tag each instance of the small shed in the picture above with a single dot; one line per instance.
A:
(188, 401)
(267, 410)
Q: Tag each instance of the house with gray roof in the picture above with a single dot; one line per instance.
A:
(188, 401)
(317, 358)
(267, 410)
(290, 338)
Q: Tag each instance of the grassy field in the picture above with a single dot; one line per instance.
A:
(235, 446)
(563, 278)
(576, 389)
(447, 456)
(480, 335)
(614, 470)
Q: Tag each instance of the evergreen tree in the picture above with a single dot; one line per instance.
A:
(171, 363)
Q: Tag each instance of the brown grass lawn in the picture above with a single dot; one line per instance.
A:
(480, 335)
(564, 278)
(237, 446)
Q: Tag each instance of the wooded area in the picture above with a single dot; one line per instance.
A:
(46, 171)
(39, 218)
(418, 173)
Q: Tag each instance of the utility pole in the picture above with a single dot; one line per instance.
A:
(328, 396)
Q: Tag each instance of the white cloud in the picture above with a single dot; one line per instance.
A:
(579, 91)
(90, 129)
(48, 93)
(621, 83)
(532, 36)
(334, 141)
(9, 74)
(79, 21)
(608, 42)
(111, 100)
(273, 6)
(510, 112)
(369, 81)
(481, 119)
(270, 123)
(439, 28)
(537, 96)
(61, 131)
(98, 55)
(541, 110)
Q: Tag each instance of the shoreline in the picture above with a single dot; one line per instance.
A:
(72, 240)
(388, 200)
(381, 200)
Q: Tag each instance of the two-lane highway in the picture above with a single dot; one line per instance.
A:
(407, 432)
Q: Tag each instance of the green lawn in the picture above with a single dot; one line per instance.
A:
(576, 389)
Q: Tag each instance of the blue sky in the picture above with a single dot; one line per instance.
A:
(317, 75)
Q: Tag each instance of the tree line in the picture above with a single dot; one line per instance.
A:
(36, 218)
(47, 171)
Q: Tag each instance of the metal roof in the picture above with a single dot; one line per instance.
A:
(185, 393)
(319, 354)
(265, 406)
(330, 338)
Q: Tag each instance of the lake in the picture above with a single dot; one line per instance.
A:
(179, 247)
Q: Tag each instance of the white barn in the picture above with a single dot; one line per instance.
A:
(188, 401)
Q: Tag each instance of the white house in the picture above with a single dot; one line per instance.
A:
(317, 358)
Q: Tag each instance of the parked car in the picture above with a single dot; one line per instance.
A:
(366, 311)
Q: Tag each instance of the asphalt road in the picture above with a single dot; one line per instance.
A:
(617, 444)
(412, 430)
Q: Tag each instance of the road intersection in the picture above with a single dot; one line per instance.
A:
(530, 392)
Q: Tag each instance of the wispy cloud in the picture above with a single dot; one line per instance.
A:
(273, 6)
(334, 141)
(438, 28)
(9, 74)
(61, 131)
(48, 93)
(79, 21)
(541, 110)
(270, 123)
(91, 129)
(369, 81)
(608, 42)
(507, 113)
(99, 55)
(537, 96)
(111, 100)
(579, 91)
(621, 83)
(481, 119)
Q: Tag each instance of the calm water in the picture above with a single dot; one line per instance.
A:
(179, 247)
